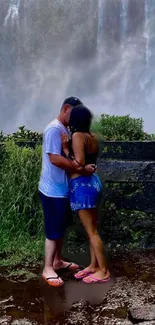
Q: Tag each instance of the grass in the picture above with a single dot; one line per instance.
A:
(21, 219)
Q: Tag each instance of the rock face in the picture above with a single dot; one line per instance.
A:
(130, 185)
(131, 150)
(133, 170)
(143, 313)
(127, 170)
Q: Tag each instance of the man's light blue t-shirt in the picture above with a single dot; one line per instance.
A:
(53, 180)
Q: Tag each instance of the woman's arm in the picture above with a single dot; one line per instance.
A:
(78, 159)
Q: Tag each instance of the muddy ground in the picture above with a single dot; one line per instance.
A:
(25, 299)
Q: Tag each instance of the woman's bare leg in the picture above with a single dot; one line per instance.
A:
(93, 266)
(93, 259)
(88, 218)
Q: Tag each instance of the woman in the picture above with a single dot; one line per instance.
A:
(85, 191)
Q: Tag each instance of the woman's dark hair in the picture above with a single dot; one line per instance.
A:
(80, 119)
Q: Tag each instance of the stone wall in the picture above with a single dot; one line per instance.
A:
(127, 215)
(128, 171)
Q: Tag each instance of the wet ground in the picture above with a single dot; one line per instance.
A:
(25, 302)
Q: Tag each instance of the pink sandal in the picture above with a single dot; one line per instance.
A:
(94, 280)
(82, 274)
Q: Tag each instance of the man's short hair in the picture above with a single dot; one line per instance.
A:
(73, 101)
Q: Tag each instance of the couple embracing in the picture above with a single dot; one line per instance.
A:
(69, 180)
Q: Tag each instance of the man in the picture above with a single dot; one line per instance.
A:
(54, 190)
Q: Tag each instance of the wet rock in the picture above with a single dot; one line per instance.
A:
(128, 293)
(3, 302)
(79, 318)
(80, 314)
(23, 321)
(147, 323)
(122, 322)
(80, 305)
(145, 312)
(5, 320)
(111, 321)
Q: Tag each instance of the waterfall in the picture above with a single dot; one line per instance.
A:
(148, 81)
(124, 20)
(101, 9)
(124, 52)
(149, 30)
(12, 13)
(116, 36)
(146, 33)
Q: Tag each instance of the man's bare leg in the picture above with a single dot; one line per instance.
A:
(50, 251)
(58, 262)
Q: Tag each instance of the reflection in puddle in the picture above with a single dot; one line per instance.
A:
(62, 299)
(37, 302)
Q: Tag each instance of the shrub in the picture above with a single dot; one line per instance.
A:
(121, 128)
(22, 134)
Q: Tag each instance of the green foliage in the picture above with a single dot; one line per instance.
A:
(124, 228)
(20, 211)
(123, 128)
(107, 127)
(2, 137)
(22, 135)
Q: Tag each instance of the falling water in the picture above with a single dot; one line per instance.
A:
(149, 30)
(12, 13)
(124, 21)
(124, 53)
(146, 33)
(101, 5)
(42, 43)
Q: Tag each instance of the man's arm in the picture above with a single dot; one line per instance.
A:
(71, 165)
(53, 147)
(64, 163)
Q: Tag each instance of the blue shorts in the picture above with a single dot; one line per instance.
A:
(57, 213)
(85, 192)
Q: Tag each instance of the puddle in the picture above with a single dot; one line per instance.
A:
(34, 302)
